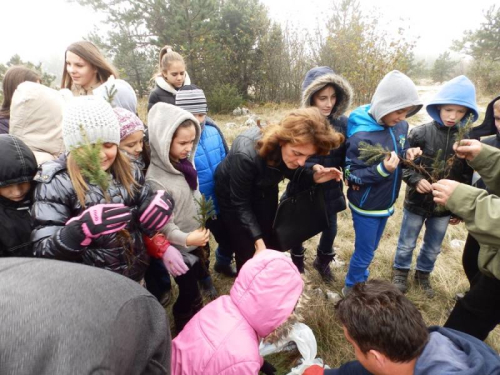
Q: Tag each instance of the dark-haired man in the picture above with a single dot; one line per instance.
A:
(389, 336)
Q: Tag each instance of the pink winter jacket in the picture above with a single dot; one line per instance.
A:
(223, 338)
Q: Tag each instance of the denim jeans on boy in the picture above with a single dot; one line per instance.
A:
(368, 231)
(325, 245)
(435, 230)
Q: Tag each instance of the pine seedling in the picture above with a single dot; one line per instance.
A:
(111, 94)
(438, 167)
(206, 210)
(372, 154)
(88, 158)
(463, 131)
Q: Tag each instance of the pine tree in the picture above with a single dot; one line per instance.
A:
(206, 210)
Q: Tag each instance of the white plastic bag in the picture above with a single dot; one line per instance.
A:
(304, 339)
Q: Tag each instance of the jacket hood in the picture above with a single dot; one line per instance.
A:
(488, 126)
(360, 120)
(459, 91)
(449, 351)
(124, 96)
(17, 164)
(163, 121)
(317, 78)
(160, 81)
(395, 91)
(267, 290)
(36, 118)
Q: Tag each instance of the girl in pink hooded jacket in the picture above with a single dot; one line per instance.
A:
(223, 338)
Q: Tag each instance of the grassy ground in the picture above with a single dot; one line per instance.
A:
(448, 277)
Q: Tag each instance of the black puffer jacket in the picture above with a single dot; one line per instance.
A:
(431, 138)
(55, 202)
(17, 165)
(247, 187)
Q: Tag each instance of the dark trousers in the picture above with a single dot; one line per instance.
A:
(478, 313)
(189, 300)
(221, 235)
(157, 278)
(470, 258)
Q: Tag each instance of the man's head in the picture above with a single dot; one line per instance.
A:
(383, 326)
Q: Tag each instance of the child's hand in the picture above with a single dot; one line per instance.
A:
(413, 153)
(468, 148)
(198, 237)
(391, 162)
(424, 187)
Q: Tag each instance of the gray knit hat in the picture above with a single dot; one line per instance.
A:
(97, 119)
(192, 99)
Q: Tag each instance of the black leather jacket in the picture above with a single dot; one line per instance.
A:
(55, 202)
(431, 138)
(245, 183)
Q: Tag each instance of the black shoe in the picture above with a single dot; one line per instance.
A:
(225, 269)
(422, 280)
(400, 280)
(298, 260)
(322, 265)
(208, 289)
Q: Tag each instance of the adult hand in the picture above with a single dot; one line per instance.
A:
(172, 259)
(323, 174)
(424, 186)
(413, 153)
(442, 190)
(467, 149)
(198, 237)
(391, 162)
(455, 220)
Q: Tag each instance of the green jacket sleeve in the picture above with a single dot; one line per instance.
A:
(487, 164)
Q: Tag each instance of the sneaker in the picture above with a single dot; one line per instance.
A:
(422, 280)
(208, 289)
(346, 290)
(225, 269)
(400, 280)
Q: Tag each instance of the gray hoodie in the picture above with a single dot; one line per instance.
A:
(395, 91)
(163, 121)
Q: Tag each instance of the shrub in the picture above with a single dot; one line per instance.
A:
(223, 98)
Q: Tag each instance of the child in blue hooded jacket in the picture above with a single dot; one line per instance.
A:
(450, 109)
(373, 189)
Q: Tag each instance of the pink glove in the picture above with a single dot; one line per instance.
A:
(99, 220)
(155, 212)
(172, 258)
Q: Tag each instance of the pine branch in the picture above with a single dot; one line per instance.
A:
(111, 94)
(206, 210)
(372, 154)
(88, 158)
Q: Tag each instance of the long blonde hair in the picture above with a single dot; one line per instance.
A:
(302, 126)
(90, 53)
(121, 169)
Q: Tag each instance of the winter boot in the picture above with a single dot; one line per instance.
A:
(400, 279)
(322, 265)
(422, 280)
(298, 260)
(225, 269)
(208, 289)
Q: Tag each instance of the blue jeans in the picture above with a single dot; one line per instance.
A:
(435, 230)
(368, 231)
(325, 246)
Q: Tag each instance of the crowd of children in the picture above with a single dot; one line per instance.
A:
(84, 180)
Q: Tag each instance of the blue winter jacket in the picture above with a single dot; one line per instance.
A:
(211, 150)
(378, 188)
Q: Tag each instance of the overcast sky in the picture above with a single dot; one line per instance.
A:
(41, 30)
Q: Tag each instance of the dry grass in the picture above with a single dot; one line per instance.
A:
(448, 277)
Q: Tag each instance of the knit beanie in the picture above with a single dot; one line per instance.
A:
(192, 99)
(96, 118)
(395, 91)
(129, 122)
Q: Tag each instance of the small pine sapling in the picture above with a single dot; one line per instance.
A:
(206, 211)
(372, 154)
(111, 94)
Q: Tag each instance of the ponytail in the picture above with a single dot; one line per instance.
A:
(167, 56)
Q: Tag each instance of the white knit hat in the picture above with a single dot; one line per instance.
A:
(97, 119)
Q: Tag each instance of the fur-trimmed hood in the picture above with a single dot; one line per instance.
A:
(163, 84)
(319, 77)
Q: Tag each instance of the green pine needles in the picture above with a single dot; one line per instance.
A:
(88, 158)
(206, 210)
(372, 154)
(111, 94)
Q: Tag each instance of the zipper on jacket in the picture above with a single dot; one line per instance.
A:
(397, 168)
(364, 197)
